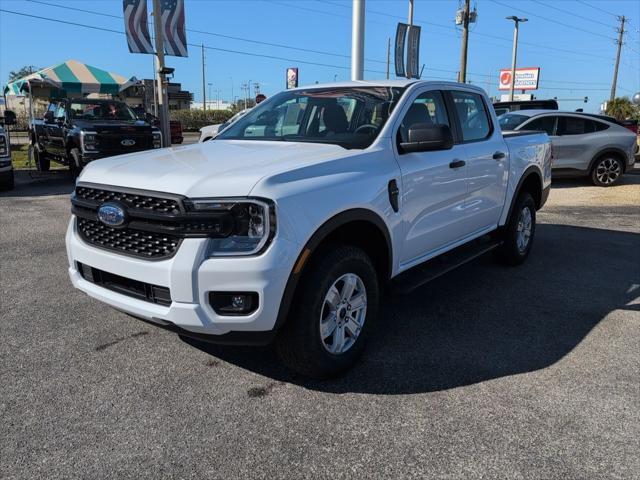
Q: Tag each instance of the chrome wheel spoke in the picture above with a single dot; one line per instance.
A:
(343, 313)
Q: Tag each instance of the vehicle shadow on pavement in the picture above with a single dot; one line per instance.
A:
(483, 321)
(31, 183)
(630, 178)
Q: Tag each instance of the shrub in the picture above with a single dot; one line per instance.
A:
(194, 120)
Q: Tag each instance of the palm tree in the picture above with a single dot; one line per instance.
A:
(622, 109)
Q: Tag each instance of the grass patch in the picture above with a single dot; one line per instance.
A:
(20, 159)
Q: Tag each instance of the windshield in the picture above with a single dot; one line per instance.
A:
(101, 111)
(349, 117)
(511, 121)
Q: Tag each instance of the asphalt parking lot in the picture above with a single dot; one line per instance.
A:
(487, 372)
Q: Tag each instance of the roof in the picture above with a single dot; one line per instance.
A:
(72, 77)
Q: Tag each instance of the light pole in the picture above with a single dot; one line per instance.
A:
(209, 90)
(514, 55)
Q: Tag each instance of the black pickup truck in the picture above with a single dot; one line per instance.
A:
(77, 131)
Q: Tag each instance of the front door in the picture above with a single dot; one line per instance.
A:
(571, 142)
(434, 186)
(55, 131)
(487, 162)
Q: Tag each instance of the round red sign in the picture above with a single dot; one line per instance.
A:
(505, 78)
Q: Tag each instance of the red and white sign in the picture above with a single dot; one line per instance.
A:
(526, 78)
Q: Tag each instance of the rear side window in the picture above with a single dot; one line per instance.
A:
(599, 126)
(542, 124)
(511, 121)
(473, 115)
(574, 126)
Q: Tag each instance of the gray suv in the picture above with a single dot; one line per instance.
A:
(583, 145)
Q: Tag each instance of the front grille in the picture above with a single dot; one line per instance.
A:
(140, 243)
(112, 142)
(132, 200)
(126, 286)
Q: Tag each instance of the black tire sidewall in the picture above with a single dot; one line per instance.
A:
(43, 164)
(510, 252)
(75, 164)
(594, 176)
(302, 330)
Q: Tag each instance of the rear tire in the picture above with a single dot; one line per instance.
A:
(333, 310)
(519, 232)
(7, 181)
(607, 171)
(43, 163)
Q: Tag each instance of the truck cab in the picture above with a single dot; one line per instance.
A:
(75, 132)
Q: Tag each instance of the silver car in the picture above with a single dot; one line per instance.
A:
(583, 145)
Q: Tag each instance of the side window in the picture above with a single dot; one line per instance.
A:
(574, 126)
(599, 126)
(542, 124)
(427, 108)
(474, 119)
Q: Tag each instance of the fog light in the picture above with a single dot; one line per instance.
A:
(234, 303)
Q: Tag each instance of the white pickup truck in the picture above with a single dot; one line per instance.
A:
(289, 224)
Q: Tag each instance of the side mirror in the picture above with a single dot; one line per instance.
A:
(48, 117)
(9, 117)
(426, 137)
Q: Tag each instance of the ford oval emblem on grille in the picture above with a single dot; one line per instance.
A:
(111, 215)
(127, 142)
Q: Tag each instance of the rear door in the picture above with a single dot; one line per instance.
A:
(434, 184)
(571, 142)
(487, 161)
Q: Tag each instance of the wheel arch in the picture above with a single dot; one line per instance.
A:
(530, 181)
(360, 227)
(618, 152)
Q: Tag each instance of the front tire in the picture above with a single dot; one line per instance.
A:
(519, 232)
(75, 163)
(607, 171)
(43, 163)
(333, 310)
(7, 181)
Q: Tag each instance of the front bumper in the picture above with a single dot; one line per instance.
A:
(190, 276)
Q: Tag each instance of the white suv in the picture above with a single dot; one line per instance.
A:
(289, 223)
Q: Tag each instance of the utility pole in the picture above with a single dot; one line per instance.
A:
(462, 76)
(204, 93)
(615, 70)
(514, 54)
(388, 56)
(163, 100)
(357, 40)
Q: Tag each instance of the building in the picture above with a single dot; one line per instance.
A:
(213, 105)
(143, 94)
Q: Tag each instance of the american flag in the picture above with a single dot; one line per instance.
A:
(136, 25)
(175, 38)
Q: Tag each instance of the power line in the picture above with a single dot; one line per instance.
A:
(573, 14)
(552, 20)
(202, 32)
(597, 8)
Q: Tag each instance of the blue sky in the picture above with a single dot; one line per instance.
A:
(576, 50)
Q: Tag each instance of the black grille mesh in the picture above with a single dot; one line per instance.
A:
(139, 202)
(143, 244)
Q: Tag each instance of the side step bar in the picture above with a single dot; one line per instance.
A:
(417, 276)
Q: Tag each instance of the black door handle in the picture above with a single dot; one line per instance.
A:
(499, 155)
(457, 164)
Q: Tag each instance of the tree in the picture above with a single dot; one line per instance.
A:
(23, 72)
(623, 109)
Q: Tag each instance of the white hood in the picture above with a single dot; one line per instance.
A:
(210, 169)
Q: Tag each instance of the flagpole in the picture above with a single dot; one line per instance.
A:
(161, 89)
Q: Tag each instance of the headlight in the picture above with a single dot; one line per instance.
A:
(4, 148)
(157, 140)
(253, 225)
(89, 141)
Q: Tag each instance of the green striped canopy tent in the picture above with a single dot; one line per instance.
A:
(69, 78)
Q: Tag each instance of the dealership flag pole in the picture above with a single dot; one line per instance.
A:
(357, 40)
(161, 88)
